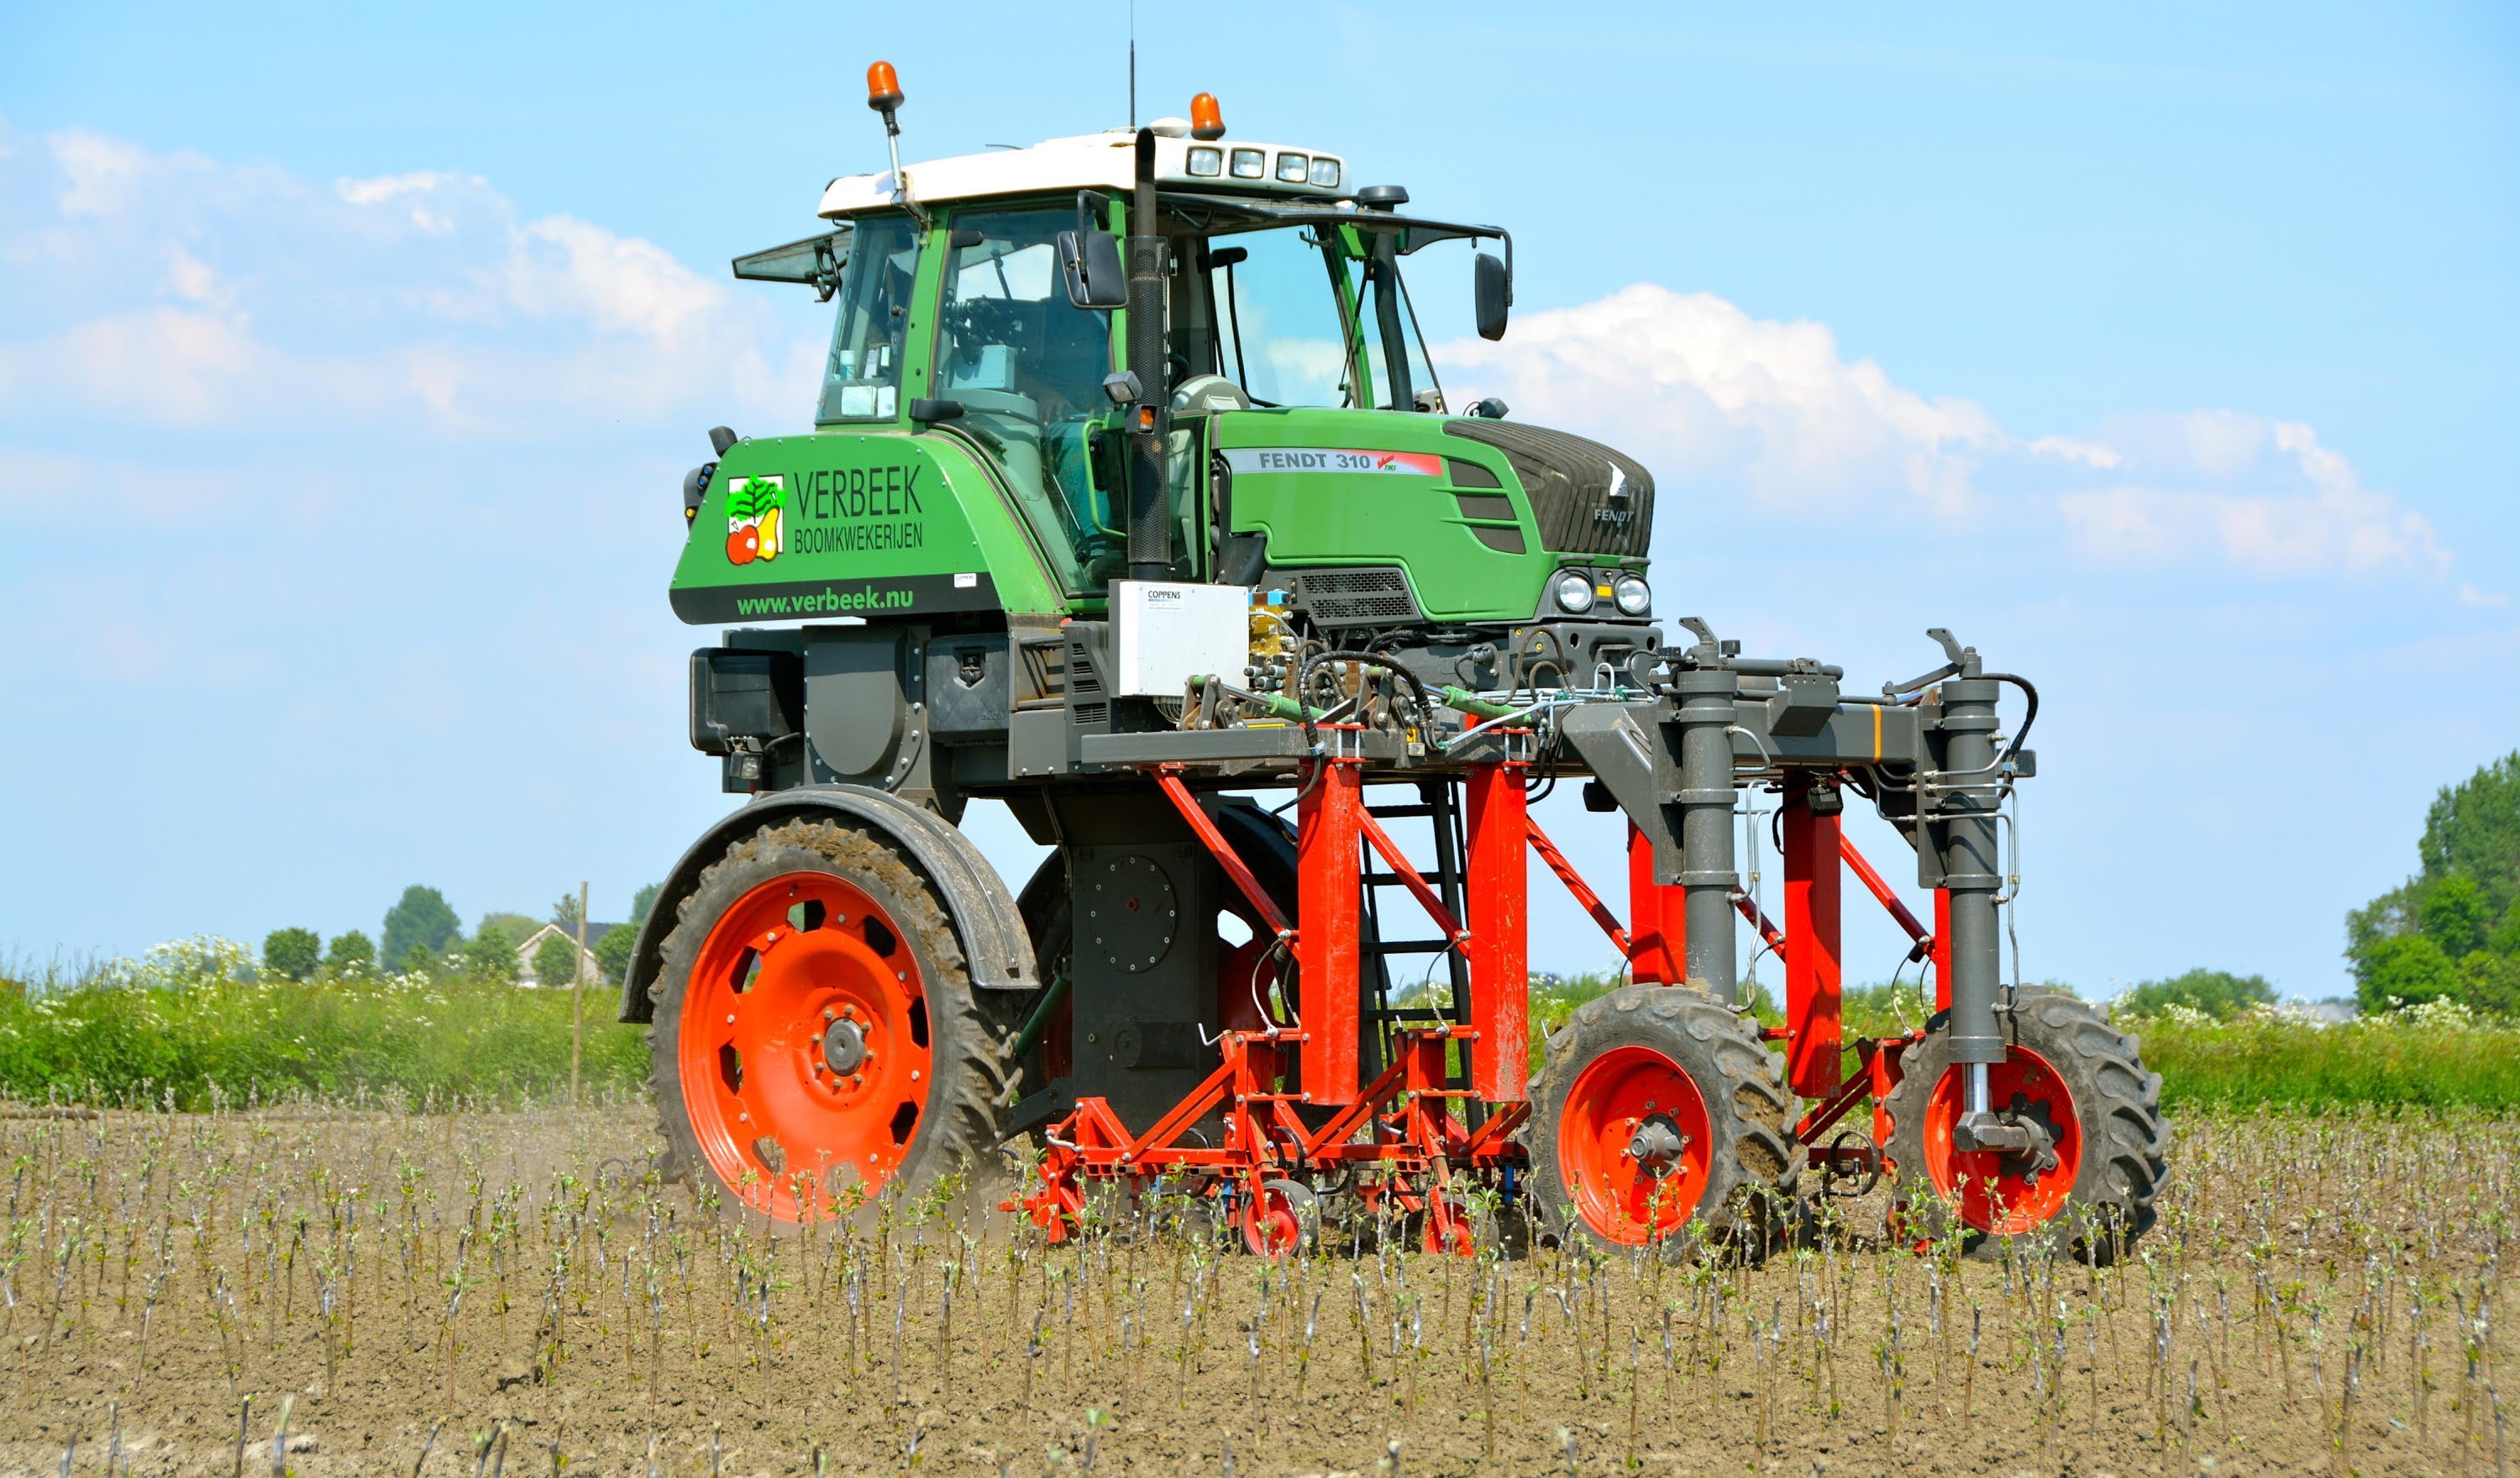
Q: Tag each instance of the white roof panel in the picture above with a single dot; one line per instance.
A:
(1088, 161)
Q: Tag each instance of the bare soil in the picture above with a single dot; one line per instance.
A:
(2319, 1298)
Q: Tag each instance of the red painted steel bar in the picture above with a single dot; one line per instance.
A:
(1327, 900)
(1880, 890)
(1575, 884)
(1942, 948)
(1498, 877)
(1813, 978)
(1406, 872)
(1169, 777)
(1657, 925)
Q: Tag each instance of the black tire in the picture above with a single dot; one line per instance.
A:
(2125, 1142)
(957, 1125)
(1751, 1165)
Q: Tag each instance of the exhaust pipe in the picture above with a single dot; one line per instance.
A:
(1151, 530)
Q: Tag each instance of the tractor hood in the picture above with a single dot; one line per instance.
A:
(1587, 498)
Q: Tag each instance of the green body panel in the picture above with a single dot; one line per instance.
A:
(870, 523)
(1320, 510)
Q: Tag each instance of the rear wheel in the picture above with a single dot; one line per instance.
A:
(2078, 1081)
(1660, 1110)
(815, 1029)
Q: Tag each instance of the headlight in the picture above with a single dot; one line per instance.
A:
(1294, 168)
(1208, 163)
(1250, 163)
(1325, 173)
(1573, 590)
(1634, 595)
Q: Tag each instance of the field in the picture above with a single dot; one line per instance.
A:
(494, 1293)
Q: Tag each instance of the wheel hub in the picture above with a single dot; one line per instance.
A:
(844, 1047)
(1656, 1144)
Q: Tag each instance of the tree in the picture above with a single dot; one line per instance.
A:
(613, 951)
(564, 912)
(2218, 993)
(352, 953)
(556, 962)
(2490, 982)
(2453, 915)
(293, 953)
(643, 901)
(422, 921)
(2473, 829)
(420, 959)
(518, 927)
(2405, 970)
(490, 954)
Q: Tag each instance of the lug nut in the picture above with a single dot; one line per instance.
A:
(828, 1014)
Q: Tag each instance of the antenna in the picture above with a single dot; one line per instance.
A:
(1133, 65)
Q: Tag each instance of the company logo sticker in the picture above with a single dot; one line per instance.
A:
(1267, 459)
(753, 507)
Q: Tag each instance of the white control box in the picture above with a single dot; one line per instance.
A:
(1163, 635)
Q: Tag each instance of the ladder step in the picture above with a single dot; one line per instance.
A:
(1409, 947)
(1403, 810)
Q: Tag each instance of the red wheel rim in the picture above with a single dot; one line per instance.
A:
(1450, 1231)
(1271, 1228)
(1622, 1198)
(804, 1044)
(2001, 1197)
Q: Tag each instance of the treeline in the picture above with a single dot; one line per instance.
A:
(2452, 932)
(423, 935)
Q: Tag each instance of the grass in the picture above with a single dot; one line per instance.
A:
(182, 1029)
(189, 1026)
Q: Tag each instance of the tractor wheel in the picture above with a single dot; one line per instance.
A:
(815, 1029)
(2079, 1079)
(1660, 1110)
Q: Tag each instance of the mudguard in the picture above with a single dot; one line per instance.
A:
(997, 952)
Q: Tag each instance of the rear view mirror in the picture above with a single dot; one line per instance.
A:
(1495, 293)
(1091, 262)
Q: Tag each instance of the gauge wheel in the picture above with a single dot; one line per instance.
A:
(2081, 1083)
(816, 1038)
(1280, 1218)
(1659, 1112)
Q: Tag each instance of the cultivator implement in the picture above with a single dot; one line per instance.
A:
(1070, 534)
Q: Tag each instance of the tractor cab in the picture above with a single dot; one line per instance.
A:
(1309, 440)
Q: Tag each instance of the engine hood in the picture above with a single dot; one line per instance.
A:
(1587, 498)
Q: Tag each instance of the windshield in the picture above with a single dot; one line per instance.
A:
(1316, 315)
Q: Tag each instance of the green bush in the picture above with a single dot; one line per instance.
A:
(422, 920)
(151, 1030)
(291, 954)
(2218, 993)
(491, 956)
(351, 953)
(613, 951)
(2432, 1057)
(556, 962)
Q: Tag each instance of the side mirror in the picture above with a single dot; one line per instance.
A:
(1091, 262)
(1495, 291)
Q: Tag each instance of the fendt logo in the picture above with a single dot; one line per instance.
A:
(753, 507)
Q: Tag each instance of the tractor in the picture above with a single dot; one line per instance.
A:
(1132, 500)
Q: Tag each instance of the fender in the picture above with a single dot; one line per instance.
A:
(997, 951)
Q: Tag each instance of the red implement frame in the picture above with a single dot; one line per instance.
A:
(1400, 1132)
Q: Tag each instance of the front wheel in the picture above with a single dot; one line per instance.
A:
(2089, 1186)
(1660, 1110)
(815, 1029)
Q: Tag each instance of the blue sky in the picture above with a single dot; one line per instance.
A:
(350, 361)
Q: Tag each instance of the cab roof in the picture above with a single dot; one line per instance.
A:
(1098, 161)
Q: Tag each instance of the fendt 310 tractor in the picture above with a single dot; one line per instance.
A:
(1132, 498)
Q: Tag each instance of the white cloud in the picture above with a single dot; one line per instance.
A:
(1700, 389)
(421, 298)
(2262, 495)
(1692, 381)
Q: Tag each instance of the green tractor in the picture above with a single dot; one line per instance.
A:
(1132, 496)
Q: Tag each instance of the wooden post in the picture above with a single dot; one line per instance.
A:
(577, 1007)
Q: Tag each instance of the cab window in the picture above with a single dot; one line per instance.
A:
(861, 375)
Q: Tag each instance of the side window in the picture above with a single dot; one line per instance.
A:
(862, 378)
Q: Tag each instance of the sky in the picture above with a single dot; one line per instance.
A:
(350, 359)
